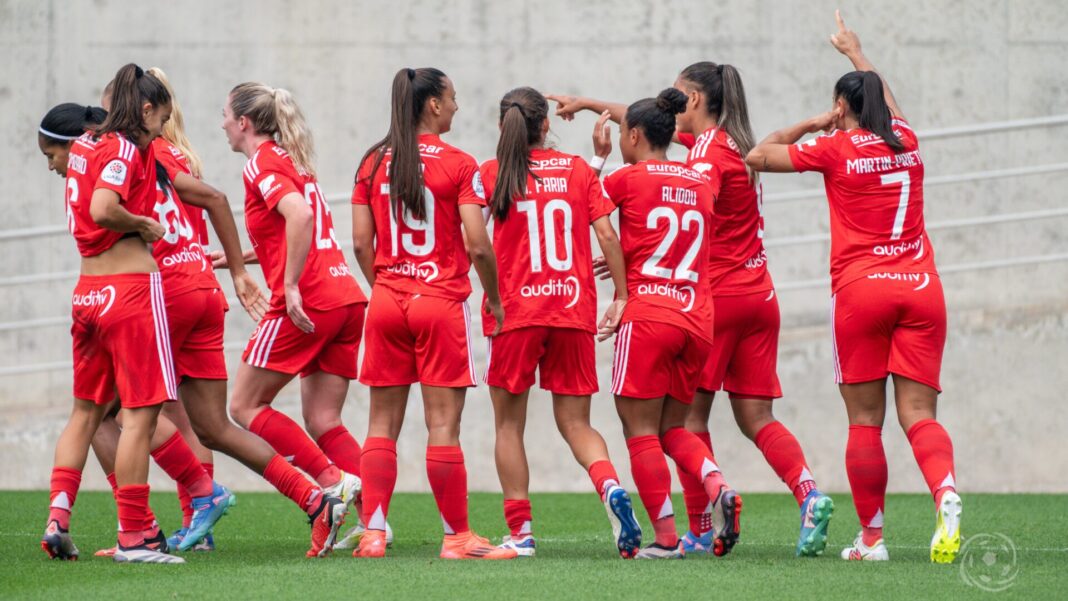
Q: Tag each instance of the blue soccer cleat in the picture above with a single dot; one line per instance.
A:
(691, 543)
(625, 528)
(207, 510)
(815, 517)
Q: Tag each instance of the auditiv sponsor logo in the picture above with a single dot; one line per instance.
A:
(923, 279)
(426, 271)
(566, 288)
(756, 261)
(95, 298)
(685, 295)
(894, 250)
(189, 255)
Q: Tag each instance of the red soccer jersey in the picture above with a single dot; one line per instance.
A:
(175, 162)
(544, 257)
(664, 224)
(737, 261)
(114, 163)
(326, 282)
(178, 254)
(424, 257)
(876, 202)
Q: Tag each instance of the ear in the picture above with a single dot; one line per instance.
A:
(242, 122)
(435, 105)
(146, 108)
(694, 100)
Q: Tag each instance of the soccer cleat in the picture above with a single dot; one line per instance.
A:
(469, 545)
(372, 544)
(109, 552)
(726, 521)
(176, 537)
(347, 489)
(158, 541)
(815, 518)
(655, 551)
(143, 554)
(625, 529)
(58, 543)
(523, 546)
(946, 540)
(691, 543)
(351, 539)
(207, 511)
(861, 552)
(325, 522)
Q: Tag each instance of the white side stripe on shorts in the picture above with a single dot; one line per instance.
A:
(834, 343)
(163, 334)
(467, 336)
(489, 358)
(261, 350)
(619, 365)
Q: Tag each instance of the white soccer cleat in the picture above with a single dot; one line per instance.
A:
(352, 537)
(655, 551)
(523, 546)
(946, 540)
(347, 489)
(143, 555)
(861, 552)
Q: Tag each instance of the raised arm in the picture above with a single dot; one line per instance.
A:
(773, 152)
(567, 106)
(847, 42)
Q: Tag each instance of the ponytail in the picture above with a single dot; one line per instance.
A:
(68, 121)
(174, 128)
(656, 116)
(725, 99)
(411, 89)
(863, 92)
(130, 89)
(275, 113)
(523, 111)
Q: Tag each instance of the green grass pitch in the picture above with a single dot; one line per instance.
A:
(261, 548)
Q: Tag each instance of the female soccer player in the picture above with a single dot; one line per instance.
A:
(416, 220)
(120, 341)
(315, 321)
(715, 128)
(666, 332)
(541, 200)
(888, 314)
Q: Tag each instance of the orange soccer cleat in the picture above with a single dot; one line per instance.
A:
(372, 544)
(468, 545)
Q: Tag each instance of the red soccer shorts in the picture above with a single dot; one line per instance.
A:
(197, 318)
(121, 340)
(417, 338)
(655, 359)
(565, 359)
(746, 348)
(889, 323)
(280, 346)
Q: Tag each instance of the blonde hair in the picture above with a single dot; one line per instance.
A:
(273, 112)
(174, 129)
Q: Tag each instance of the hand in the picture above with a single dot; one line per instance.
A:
(845, 40)
(218, 259)
(610, 321)
(497, 311)
(602, 136)
(295, 309)
(600, 269)
(250, 296)
(151, 230)
(824, 121)
(566, 106)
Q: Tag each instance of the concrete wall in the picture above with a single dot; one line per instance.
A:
(949, 62)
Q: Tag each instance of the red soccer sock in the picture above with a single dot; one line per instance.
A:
(378, 464)
(649, 468)
(784, 455)
(603, 475)
(866, 469)
(132, 501)
(292, 484)
(185, 500)
(934, 452)
(698, 505)
(289, 440)
(517, 516)
(176, 459)
(63, 491)
(693, 457)
(342, 449)
(448, 480)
